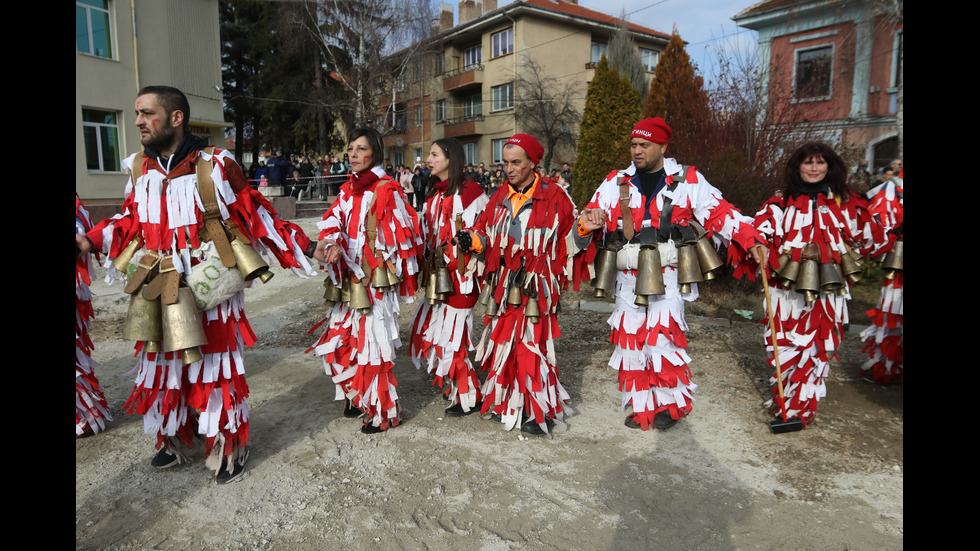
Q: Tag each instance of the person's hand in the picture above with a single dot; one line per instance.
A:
(82, 244)
(327, 251)
(758, 254)
(464, 240)
(593, 219)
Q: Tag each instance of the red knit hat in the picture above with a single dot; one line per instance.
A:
(654, 129)
(529, 145)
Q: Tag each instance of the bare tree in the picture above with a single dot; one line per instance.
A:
(358, 40)
(546, 107)
(623, 57)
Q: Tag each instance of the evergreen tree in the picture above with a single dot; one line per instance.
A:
(677, 94)
(612, 108)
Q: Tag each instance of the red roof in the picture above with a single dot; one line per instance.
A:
(576, 10)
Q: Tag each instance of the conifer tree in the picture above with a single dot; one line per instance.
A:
(612, 108)
(677, 94)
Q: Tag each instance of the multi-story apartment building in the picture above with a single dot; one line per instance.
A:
(466, 83)
(120, 47)
(834, 68)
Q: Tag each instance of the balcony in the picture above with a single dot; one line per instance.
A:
(463, 126)
(461, 79)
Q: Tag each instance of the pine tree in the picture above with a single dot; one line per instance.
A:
(677, 94)
(612, 108)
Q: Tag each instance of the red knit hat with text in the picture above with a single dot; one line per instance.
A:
(654, 129)
(529, 145)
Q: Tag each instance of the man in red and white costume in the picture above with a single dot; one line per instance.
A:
(164, 211)
(522, 235)
(650, 342)
(369, 230)
(886, 337)
(442, 333)
(91, 408)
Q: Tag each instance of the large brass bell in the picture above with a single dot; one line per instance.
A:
(379, 277)
(831, 279)
(707, 255)
(605, 273)
(143, 319)
(360, 299)
(531, 310)
(688, 268)
(789, 269)
(182, 328)
(345, 290)
(121, 262)
(444, 281)
(649, 276)
(331, 293)
(430, 289)
(249, 263)
(894, 260)
(492, 306)
(850, 266)
(809, 281)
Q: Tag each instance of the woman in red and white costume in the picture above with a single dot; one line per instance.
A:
(358, 347)
(816, 207)
(91, 408)
(442, 333)
(886, 337)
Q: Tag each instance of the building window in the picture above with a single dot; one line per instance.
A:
(498, 150)
(502, 43)
(473, 57)
(418, 115)
(649, 59)
(92, 28)
(471, 152)
(398, 157)
(440, 63)
(812, 73)
(503, 96)
(597, 50)
(473, 106)
(440, 110)
(101, 131)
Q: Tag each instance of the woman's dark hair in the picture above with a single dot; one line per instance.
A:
(836, 178)
(374, 140)
(453, 150)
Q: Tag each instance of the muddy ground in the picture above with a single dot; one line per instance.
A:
(718, 480)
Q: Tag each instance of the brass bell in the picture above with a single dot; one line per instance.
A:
(360, 299)
(379, 277)
(331, 293)
(649, 276)
(492, 307)
(121, 262)
(345, 290)
(708, 258)
(444, 281)
(894, 260)
(789, 269)
(393, 278)
(531, 311)
(830, 277)
(249, 263)
(514, 297)
(688, 268)
(486, 293)
(143, 319)
(809, 280)
(182, 326)
(430, 289)
(605, 273)
(850, 268)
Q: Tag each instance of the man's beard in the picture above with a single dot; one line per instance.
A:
(162, 140)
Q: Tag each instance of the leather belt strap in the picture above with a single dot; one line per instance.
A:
(624, 208)
(213, 228)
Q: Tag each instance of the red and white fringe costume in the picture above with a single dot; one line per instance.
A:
(886, 337)
(519, 352)
(358, 349)
(809, 333)
(91, 408)
(650, 341)
(165, 210)
(442, 333)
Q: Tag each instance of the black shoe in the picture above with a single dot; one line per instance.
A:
(224, 477)
(457, 411)
(631, 422)
(534, 429)
(371, 429)
(350, 411)
(164, 459)
(663, 420)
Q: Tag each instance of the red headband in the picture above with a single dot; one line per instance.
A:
(654, 129)
(529, 145)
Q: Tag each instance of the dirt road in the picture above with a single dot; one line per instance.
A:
(718, 480)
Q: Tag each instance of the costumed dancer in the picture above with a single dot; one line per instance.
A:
(522, 236)
(651, 223)
(91, 408)
(886, 337)
(371, 244)
(815, 228)
(196, 225)
(442, 330)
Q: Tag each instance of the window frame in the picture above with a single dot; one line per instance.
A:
(497, 150)
(495, 104)
(652, 53)
(477, 50)
(830, 48)
(469, 102)
(99, 129)
(89, 32)
(495, 43)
